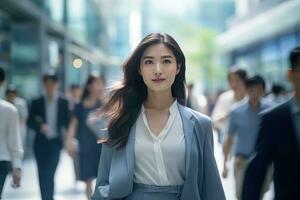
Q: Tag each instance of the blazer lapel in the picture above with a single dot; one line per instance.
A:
(121, 172)
(58, 110)
(292, 129)
(43, 109)
(188, 127)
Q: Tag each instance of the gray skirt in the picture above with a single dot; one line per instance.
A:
(150, 192)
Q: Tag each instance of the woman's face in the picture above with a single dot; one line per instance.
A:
(236, 83)
(97, 86)
(158, 67)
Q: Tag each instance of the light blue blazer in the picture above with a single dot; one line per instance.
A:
(202, 180)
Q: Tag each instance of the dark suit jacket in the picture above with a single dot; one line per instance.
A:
(37, 116)
(276, 143)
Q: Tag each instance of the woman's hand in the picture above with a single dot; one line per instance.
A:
(16, 176)
(71, 147)
(225, 171)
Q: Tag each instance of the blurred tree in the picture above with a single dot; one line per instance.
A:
(201, 54)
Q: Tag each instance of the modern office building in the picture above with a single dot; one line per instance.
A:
(36, 36)
(261, 36)
(214, 14)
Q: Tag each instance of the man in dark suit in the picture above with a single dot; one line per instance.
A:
(49, 118)
(278, 143)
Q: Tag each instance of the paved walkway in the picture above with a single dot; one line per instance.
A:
(66, 188)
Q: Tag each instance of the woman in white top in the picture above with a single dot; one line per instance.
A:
(156, 147)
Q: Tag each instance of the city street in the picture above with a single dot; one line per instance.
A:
(66, 189)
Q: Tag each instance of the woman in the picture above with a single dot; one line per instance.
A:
(89, 150)
(157, 148)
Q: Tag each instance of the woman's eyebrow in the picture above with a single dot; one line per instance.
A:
(167, 56)
(152, 57)
(148, 57)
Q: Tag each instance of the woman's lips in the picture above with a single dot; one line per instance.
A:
(158, 80)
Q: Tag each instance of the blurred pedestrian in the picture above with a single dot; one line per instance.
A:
(49, 118)
(243, 125)
(229, 99)
(278, 143)
(156, 147)
(11, 95)
(11, 150)
(192, 101)
(212, 100)
(89, 150)
(74, 95)
(278, 95)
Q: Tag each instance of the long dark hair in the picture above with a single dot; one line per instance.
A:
(86, 91)
(125, 100)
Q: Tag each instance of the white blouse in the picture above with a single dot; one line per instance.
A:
(160, 160)
(11, 148)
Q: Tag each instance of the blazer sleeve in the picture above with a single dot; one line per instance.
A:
(212, 188)
(257, 167)
(102, 183)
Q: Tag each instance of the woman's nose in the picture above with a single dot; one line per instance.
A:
(157, 69)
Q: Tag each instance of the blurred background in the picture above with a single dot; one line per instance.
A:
(76, 37)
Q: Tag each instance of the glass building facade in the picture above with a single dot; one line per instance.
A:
(269, 58)
(41, 35)
(261, 43)
(214, 14)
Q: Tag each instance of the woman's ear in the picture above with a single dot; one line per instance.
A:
(178, 69)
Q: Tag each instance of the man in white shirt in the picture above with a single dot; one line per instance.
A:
(11, 95)
(229, 99)
(11, 150)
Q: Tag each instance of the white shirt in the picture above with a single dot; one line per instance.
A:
(51, 115)
(21, 106)
(10, 137)
(160, 160)
(225, 103)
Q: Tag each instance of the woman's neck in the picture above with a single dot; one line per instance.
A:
(159, 100)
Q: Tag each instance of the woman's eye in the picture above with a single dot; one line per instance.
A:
(148, 62)
(167, 61)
